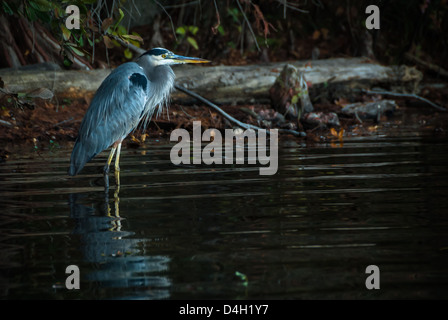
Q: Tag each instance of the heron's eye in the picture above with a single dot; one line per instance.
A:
(164, 56)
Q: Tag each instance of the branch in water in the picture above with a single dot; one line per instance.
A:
(406, 95)
(232, 119)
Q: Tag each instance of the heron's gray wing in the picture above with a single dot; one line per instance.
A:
(114, 112)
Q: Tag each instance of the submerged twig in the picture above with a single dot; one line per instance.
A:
(406, 95)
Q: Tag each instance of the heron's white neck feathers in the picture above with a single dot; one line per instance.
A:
(161, 83)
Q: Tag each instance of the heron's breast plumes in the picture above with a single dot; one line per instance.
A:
(161, 84)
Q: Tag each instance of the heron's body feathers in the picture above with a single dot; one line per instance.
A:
(130, 95)
(121, 101)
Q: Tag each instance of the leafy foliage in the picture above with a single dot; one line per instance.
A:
(93, 28)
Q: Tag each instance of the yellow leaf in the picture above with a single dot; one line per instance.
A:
(295, 99)
(65, 32)
(128, 54)
(134, 139)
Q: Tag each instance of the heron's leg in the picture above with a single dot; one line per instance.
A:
(117, 166)
(107, 166)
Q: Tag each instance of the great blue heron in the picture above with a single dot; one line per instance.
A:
(128, 96)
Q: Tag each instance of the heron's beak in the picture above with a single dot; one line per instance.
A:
(182, 59)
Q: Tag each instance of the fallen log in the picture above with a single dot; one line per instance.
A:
(232, 84)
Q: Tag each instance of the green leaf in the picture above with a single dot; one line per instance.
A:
(67, 62)
(76, 50)
(221, 31)
(193, 29)
(7, 8)
(128, 54)
(31, 14)
(243, 278)
(121, 14)
(120, 30)
(80, 41)
(119, 20)
(41, 5)
(295, 99)
(193, 42)
(234, 13)
(231, 44)
(45, 17)
(181, 31)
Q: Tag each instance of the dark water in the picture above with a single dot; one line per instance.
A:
(201, 232)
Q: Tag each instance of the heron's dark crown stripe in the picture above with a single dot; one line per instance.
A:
(156, 51)
(138, 79)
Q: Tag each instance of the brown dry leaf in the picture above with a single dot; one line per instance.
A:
(106, 23)
(333, 132)
(134, 139)
(316, 34)
(341, 134)
(108, 42)
(143, 137)
(260, 17)
(342, 102)
(132, 37)
(338, 134)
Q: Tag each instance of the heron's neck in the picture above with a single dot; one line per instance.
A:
(161, 83)
(161, 77)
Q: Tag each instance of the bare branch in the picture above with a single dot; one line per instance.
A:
(248, 24)
(406, 95)
(172, 24)
(232, 119)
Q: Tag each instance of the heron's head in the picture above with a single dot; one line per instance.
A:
(160, 56)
